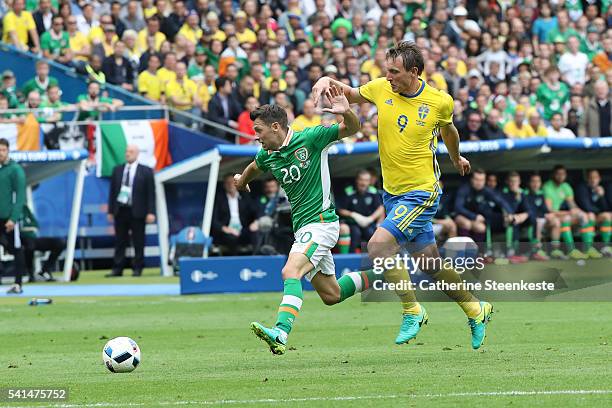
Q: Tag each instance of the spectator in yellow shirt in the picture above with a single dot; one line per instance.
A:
(535, 123)
(516, 128)
(96, 34)
(148, 9)
(152, 30)
(276, 74)
(17, 24)
(167, 73)
(307, 119)
(182, 94)
(243, 32)
(149, 84)
(207, 88)
(110, 38)
(79, 44)
(430, 73)
(191, 31)
(376, 67)
(212, 21)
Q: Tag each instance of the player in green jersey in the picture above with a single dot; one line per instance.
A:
(298, 160)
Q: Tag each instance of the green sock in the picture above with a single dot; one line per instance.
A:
(606, 231)
(587, 235)
(356, 282)
(290, 305)
(509, 239)
(566, 235)
(489, 243)
(531, 235)
(344, 243)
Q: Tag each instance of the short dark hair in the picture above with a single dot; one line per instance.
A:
(478, 171)
(221, 81)
(363, 172)
(557, 114)
(410, 53)
(269, 114)
(4, 142)
(558, 167)
(513, 173)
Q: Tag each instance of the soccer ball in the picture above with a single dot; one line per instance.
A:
(121, 355)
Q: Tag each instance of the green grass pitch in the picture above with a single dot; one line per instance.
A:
(199, 351)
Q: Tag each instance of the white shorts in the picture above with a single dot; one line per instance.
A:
(316, 242)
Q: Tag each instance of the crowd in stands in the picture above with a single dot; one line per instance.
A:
(515, 69)
(43, 95)
(544, 216)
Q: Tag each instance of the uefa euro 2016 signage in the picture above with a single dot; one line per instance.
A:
(245, 274)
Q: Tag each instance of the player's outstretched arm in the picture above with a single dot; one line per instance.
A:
(340, 106)
(249, 174)
(450, 135)
(323, 84)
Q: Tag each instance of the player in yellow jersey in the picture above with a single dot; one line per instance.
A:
(411, 116)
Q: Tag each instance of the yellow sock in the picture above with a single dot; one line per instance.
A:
(468, 302)
(407, 297)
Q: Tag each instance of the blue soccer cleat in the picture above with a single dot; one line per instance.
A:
(478, 324)
(411, 326)
(275, 338)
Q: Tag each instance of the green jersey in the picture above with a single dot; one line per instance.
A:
(302, 169)
(557, 193)
(195, 72)
(32, 5)
(552, 99)
(555, 32)
(589, 48)
(54, 45)
(50, 109)
(35, 84)
(92, 114)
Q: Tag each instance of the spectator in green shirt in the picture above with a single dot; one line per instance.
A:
(41, 82)
(7, 117)
(50, 113)
(559, 199)
(552, 94)
(55, 43)
(32, 102)
(563, 28)
(12, 200)
(9, 88)
(591, 44)
(195, 71)
(92, 103)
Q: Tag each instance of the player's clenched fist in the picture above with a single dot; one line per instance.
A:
(239, 184)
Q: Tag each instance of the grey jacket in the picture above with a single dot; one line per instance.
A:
(589, 125)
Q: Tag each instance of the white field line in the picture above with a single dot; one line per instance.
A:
(315, 399)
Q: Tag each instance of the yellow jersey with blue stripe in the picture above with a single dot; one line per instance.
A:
(408, 130)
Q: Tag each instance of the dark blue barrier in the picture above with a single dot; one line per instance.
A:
(185, 143)
(245, 273)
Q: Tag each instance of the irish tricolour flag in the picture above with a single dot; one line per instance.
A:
(151, 136)
(25, 136)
